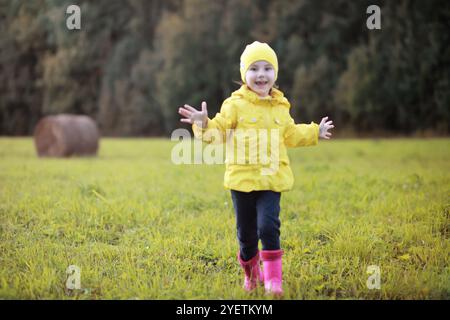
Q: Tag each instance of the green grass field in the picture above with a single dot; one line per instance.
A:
(140, 227)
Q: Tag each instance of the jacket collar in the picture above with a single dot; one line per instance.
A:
(276, 96)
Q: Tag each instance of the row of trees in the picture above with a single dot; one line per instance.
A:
(134, 62)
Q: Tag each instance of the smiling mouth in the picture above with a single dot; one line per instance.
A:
(261, 83)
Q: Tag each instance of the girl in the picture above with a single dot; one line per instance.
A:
(257, 106)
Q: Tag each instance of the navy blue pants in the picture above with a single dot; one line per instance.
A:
(257, 218)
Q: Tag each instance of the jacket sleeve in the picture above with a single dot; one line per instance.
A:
(216, 128)
(301, 135)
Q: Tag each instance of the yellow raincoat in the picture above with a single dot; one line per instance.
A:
(244, 115)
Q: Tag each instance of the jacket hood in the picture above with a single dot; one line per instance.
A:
(276, 96)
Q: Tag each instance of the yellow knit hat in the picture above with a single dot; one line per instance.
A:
(255, 52)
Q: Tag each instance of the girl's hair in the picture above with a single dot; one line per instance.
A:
(240, 83)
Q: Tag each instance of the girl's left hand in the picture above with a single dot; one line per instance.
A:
(324, 127)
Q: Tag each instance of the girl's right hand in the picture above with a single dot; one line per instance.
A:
(191, 115)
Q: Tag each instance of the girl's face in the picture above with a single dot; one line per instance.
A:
(260, 77)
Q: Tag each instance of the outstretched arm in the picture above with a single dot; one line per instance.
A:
(206, 129)
(302, 135)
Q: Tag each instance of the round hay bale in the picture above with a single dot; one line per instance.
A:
(66, 135)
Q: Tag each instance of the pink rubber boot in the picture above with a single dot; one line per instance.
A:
(272, 271)
(253, 273)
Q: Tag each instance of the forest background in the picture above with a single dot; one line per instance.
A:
(133, 63)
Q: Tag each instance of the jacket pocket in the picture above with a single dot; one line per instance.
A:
(250, 122)
(280, 124)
